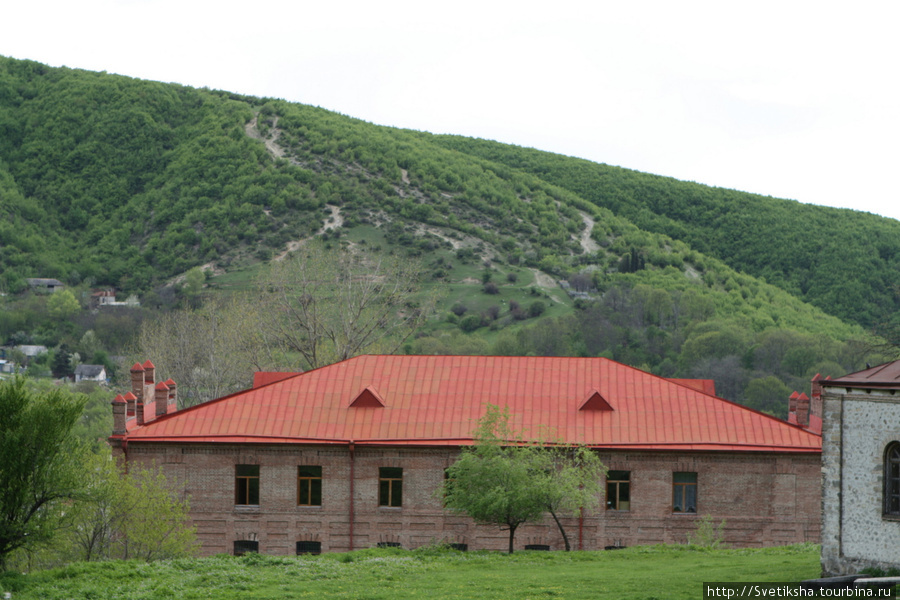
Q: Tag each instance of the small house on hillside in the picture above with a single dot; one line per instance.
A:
(351, 455)
(861, 470)
(40, 284)
(90, 373)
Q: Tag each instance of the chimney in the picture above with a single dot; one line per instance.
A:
(173, 395)
(815, 405)
(149, 373)
(162, 399)
(803, 410)
(118, 408)
(792, 408)
(130, 399)
(139, 411)
(137, 380)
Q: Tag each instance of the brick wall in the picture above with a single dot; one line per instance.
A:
(765, 499)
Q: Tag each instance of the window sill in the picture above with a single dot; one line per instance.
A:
(246, 508)
(890, 517)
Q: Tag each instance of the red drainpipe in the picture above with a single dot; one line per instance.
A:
(352, 517)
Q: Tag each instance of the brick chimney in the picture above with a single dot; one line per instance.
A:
(815, 405)
(792, 408)
(149, 373)
(137, 381)
(173, 395)
(119, 406)
(129, 399)
(161, 398)
(803, 410)
(139, 411)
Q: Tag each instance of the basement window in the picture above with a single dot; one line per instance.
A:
(891, 502)
(309, 486)
(309, 548)
(246, 485)
(390, 486)
(242, 547)
(618, 490)
(684, 492)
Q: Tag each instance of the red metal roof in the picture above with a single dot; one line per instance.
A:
(885, 376)
(438, 400)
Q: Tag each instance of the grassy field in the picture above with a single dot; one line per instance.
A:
(661, 572)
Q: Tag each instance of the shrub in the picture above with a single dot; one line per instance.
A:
(470, 323)
(491, 288)
(536, 309)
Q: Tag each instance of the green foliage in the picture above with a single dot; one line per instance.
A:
(671, 572)
(40, 463)
(62, 305)
(492, 482)
(505, 481)
(707, 534)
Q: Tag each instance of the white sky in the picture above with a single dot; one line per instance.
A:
(792, 99)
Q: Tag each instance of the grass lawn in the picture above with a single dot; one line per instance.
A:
(662, 572)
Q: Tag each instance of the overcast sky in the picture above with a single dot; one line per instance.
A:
(789, 99)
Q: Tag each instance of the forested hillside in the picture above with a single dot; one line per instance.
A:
(112, 182)
(843, 261)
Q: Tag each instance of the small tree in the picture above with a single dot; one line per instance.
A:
(40, 463)
(569, 482)
(492, 482)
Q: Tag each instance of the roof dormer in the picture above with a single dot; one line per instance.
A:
(368, 398)
(595, 401)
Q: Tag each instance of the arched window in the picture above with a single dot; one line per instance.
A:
(892, 480)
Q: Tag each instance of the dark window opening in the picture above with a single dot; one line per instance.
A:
(892, 480)
(246, 485)
(390, 486)
(618, 490)
(242, 547)
(309, 547)
(389, 545)
(543, 547)
(460, 547)
(684, 492)
(309, 486)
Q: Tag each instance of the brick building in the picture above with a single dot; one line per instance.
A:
(861, 470)
(350, 455)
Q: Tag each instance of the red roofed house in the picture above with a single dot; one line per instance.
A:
(350, 455)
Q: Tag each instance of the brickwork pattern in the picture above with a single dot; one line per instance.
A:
(765, 499)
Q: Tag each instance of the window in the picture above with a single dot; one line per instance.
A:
(684, 488)
(390, 486)
(242, 547)
(309, 547)
(388, 545)
(309, 486)
(618, 490)
(246, 485)
(892, 480)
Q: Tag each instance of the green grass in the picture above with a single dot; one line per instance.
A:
(664, 572)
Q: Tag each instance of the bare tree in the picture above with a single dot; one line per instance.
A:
(209, 351)
(331, 304)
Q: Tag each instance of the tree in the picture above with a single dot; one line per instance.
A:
(569, 481)
(62, 305)
(210, 351)
(40, 462)
(506, 481)
(494, 483)
(329, 305)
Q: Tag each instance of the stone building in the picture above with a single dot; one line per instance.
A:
(861, 470)
(351, 455)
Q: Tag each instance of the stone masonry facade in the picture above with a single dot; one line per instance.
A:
(764, 498)
(859, 424)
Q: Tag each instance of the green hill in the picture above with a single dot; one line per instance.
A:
(112, 181)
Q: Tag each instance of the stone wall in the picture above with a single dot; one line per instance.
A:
(764, 498)
(858, 427)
